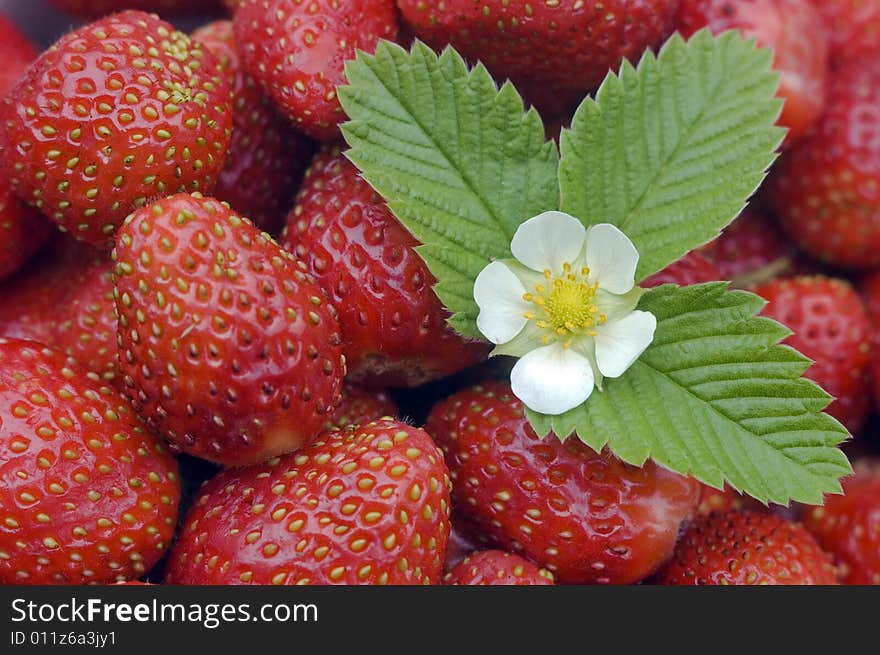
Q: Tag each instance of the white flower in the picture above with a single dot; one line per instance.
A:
(566, 306)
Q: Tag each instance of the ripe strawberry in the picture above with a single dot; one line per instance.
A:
(267, 158)
(587, 517)
(848, 526)
(98, 8)
(497, 567)
(16, 53)
(869, 291)
(86, 494)
(561, 46)
(85, 323)
(743, 548)
(724, 500)
(30, 299)
(831, 327)
(824, 190)
(693, 268)
(115, 113)
(793, 29)
(361, 406)
(853, 28)
(393, 324)
(23, 231)
(297, 51)
(226, 347)
(365, 505)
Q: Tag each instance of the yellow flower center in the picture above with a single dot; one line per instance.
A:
(565, 307)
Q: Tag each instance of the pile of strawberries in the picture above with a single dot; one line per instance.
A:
(217, 344)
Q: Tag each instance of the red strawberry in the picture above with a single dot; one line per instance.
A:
(29, 300)
(587, 517)
(361, 406)
(724, 500)
(831, 327)
(848, 526)
(267, 158)
(297, 52)
(114, 114)
(365, 505)
(793, 29)
(86, 494)
(85, 325)
(869, 291)
(560, 46)
(98, 8)
(16, 52)
(393, 324)
(226, 346)
(693, 268)
(497, 567)
(853, 28)
(824, 190)
(23, 231)
(743, 548)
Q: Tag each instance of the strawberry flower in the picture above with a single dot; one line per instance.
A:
(566, 306)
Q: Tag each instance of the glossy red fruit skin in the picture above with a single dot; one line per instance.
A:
(94, 130)
(693, 268)
(497, 567)
(714, 500)
(359, 406)
(267, 158)
(23, 231)
(87, 495)
(587, 517)
(562, 46)
(393, 324)
(745, 548)
(16, 53)
(848, 526)
(853, 28)
(365, 505)
(98, 8)
(227, 348)
(297, 52)
(824, 190)
(831, 327)
(793, 29)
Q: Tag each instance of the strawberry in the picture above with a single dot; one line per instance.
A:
(585, 516)
(393, 324)
(743, 548)
(562, 46)
(497, 567)
(793, 29)
(364, 505)
(227, 348)
(98, 8)
(87, 495)
(693, 268)
(297, 51)
(853, 28)
(848, 526)
(23, 231)
(724, 500)
(869, 291)
(267, 158)
(16, 53)
(361, 406)
(824, 190)
(831, 327)
(115, 113)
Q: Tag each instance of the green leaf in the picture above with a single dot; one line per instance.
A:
(460, 163)
(716, 396)
(670, 152)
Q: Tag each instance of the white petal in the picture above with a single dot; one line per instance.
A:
(552, 380)
(620, 343)
(499, 295)
(612, 258)
(548, 241)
